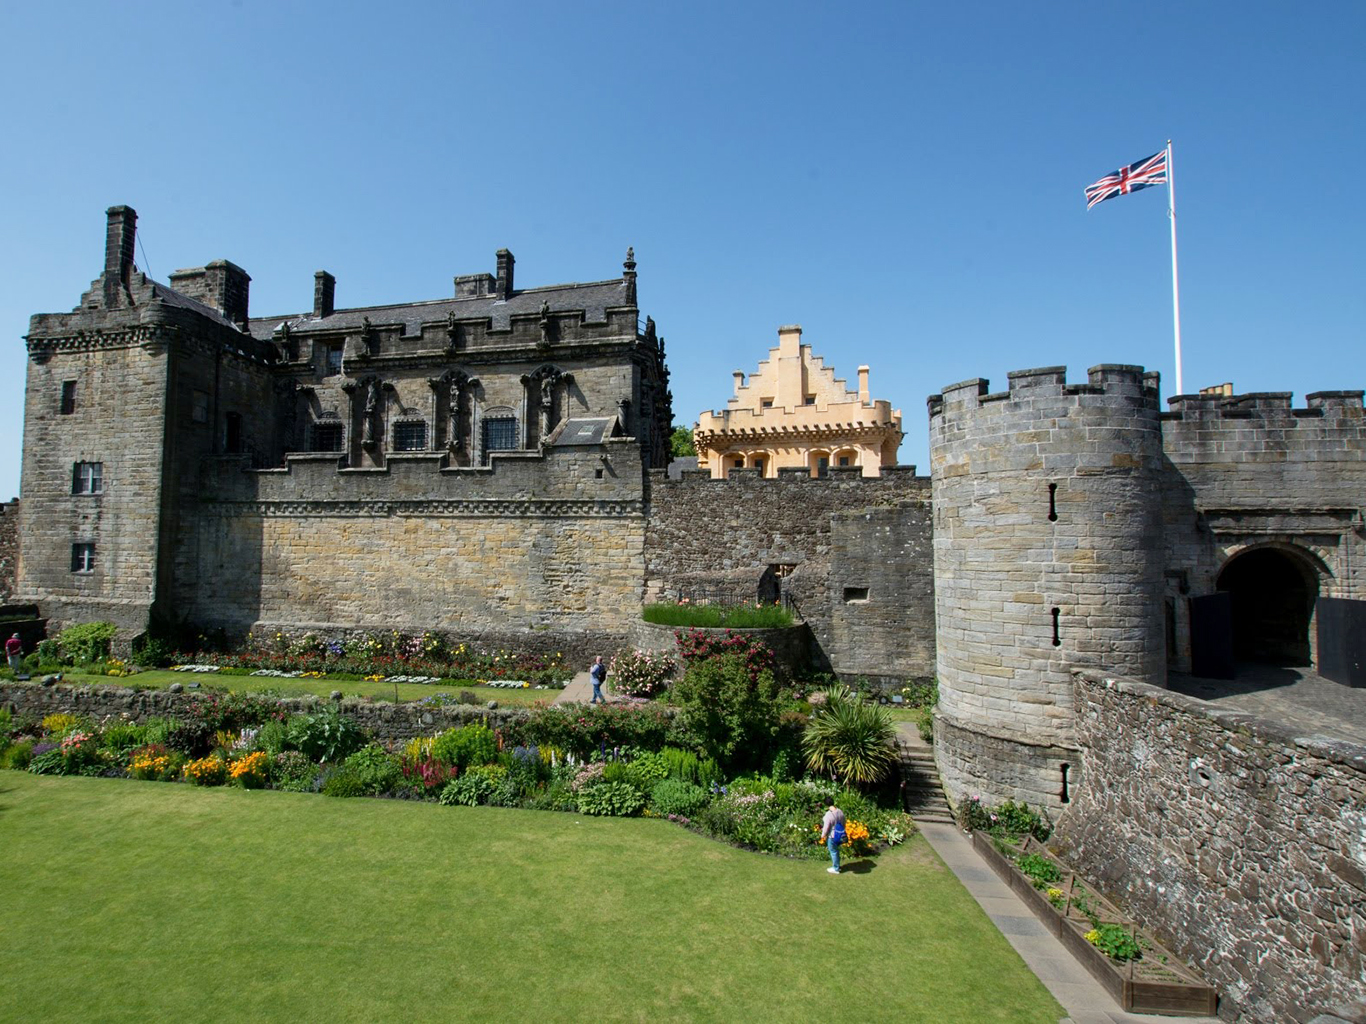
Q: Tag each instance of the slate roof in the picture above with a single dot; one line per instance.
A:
(583, 430)
(593, 299)
(172, 297)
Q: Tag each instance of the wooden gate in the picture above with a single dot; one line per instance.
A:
(1342, 640)
(1212, 636)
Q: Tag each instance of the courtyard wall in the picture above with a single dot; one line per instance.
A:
(1241, 845)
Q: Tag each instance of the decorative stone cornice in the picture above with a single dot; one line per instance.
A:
(154, 338)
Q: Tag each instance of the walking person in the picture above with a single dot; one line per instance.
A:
(833, 835)
(14, 651)
(599, 673)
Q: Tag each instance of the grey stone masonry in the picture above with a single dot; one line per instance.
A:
(855, 552)
(1045, 527)
(1237, 842)
(9, 547)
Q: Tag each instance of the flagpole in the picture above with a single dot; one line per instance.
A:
(1176, 293)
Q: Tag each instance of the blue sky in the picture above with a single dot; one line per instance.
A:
(904, 180)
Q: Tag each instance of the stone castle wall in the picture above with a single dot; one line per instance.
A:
(857, 548)
(1045, 536)
(1241, 845)
(9, 547)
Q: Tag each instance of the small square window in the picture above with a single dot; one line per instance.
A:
(855, 595)
(410, 436)
(844, 461)
(68, 397)
(199, 406)
(809, 400)
(765, 403)
(334, 359)
(87, 478)
(82, 557)
(326, 437)
(739, 464)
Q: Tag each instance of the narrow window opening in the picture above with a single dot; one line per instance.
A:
(87, 478)
(68, 397)
(82, 557)
(334, 359)
(1052, 503)
(232, 433)
(597, 474)
(1064, 796)
(1057, 640)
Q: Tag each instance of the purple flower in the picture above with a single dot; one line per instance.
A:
(42, 748)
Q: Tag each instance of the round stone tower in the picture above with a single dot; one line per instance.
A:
(1046, 558)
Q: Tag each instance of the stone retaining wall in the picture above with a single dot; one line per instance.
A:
(1240, 844)
(383, 721)
(791, 645)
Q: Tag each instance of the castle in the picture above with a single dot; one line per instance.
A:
(492, 464)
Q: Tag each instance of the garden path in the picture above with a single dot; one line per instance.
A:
(1080, 994)
(577, 691)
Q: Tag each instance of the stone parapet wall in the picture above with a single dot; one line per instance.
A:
(974, 762)
(699, 527)
(1240, 844)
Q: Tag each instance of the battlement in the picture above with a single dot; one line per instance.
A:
(1268, 405)
(893, 477)
(1114, 380)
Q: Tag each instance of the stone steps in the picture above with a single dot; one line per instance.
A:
(922, 792)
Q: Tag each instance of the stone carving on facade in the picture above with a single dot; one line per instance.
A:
(541, 385)
(545, 325)
(369, 338)
(453, 390)
(369, 393)
(452, 332)
(289, 348)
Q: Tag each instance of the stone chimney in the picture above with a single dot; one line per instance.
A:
(739, 380)
(324, 293)
(120, 235)
(221, 285)
(863, 385)
(505, 265)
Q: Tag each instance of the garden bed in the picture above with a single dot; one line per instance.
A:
(1156, 982)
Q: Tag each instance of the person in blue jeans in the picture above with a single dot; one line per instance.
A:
(598, 673)
(833, 835)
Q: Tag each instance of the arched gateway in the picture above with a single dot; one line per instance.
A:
(1272, 590)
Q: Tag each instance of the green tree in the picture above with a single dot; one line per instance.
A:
(730, 708)
(680, 444)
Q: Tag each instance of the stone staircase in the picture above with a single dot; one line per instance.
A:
(922, 793)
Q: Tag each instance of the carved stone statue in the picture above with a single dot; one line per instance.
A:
(371, 411)
(452, 332)
(545, 324)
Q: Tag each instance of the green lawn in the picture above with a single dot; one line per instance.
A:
(321, 687)
(146, 901)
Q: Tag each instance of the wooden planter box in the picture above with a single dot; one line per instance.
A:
(1157, 982)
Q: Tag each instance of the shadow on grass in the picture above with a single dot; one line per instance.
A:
(858, 867)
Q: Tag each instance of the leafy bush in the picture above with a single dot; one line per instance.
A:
(18, 754)
(272, 737)
(681, 764)
(469, 790)
(1009, 820)
(86, 643)
(294, 772)
(194, 739)
(121, 737)
(47, 762)
(58, 725)
(585, 731)
(676, 796)
(696, 646)
(730, 707)
(472, 744)
(611, 799)
(153, 652)
(849, 738)
(640, 673)
(644, 769)
(367, 772)
(329, 736)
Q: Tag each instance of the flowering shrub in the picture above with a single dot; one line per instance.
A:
(60, 724)
(695, 646)
(586, 730)
(251, 771)
(640, 673)
(155, 763)
(294, 772)
(1008, 820)
(206, 771)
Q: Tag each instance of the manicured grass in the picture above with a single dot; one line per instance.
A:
(743, 616)
(146, 901)
(321, 687)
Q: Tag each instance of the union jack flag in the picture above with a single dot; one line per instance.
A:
(1148, 171)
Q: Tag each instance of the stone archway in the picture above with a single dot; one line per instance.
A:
(1272, 590)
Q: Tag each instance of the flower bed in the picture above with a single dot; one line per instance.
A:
(1150, 980)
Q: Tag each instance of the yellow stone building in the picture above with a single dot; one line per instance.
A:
(794, 413)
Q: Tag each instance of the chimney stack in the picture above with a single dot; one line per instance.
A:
(863, 385)
(119, 237)
(505, 265)
(324, 293)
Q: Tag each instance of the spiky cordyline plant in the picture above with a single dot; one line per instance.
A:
(852, 740)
